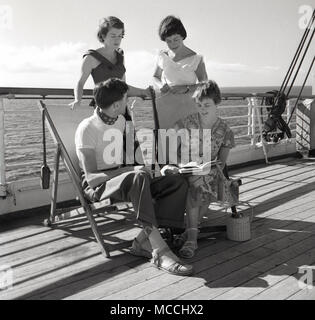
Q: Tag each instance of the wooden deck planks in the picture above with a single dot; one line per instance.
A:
(216, 271)
(65, 263)
(254, 278)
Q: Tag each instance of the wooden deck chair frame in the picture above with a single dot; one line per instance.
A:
(206, 229)
(89, 209)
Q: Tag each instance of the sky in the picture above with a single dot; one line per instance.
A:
(243, 42)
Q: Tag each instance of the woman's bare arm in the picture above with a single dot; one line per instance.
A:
(87, 66)
(136, 92)
(201, 72)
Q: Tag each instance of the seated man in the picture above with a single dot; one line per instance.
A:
(103, 178)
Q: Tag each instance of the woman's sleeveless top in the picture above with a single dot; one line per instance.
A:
(107, 69)
(181, 72)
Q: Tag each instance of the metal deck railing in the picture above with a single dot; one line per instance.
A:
(248, 131)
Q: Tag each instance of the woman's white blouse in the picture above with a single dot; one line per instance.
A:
(182, 72)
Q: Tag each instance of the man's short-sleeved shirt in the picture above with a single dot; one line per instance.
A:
(93, 133)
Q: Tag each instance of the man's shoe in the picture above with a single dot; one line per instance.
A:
(176, 268)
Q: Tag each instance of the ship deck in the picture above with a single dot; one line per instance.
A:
(65, 262)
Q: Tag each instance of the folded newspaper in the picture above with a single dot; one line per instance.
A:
(195, 168)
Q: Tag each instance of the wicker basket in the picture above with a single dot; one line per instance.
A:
(238, 229)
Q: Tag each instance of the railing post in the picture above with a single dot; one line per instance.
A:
(256, 112)
(252, 122)
(249, 120)
(3, 191)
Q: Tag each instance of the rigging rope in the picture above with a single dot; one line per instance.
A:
(297, 54)
(300, 93)
(298, 69)
(278, 104)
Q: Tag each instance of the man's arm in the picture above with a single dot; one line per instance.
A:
(93, 176)
(89, 166)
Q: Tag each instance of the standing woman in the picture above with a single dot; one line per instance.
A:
(107, 61)
(179, 68)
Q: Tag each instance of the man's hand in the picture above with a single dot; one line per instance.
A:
(143, 168)
(96, 179)
(169, 169)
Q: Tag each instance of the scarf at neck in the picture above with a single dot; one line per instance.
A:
(105, 118)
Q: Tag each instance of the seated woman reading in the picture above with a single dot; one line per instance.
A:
(203, 188)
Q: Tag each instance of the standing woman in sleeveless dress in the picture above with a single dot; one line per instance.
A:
(107, 61)
(180, 68)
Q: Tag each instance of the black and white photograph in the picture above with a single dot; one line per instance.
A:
(156, 155)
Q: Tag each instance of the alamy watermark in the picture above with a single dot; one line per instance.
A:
(6, 17)
(306, 12)
(306, 281)
(174, 146)
(6, 277)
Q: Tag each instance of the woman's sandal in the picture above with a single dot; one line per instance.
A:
(188, 249)
(176, 268)
(137, 250)
(180, 239)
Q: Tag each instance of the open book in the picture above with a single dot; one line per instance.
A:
(194, 168)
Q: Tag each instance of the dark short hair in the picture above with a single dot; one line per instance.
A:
(208, 89)
(170, 26)
(109, 91)
(106, 24)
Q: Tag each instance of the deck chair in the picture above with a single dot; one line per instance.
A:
(167, 109)
(62, 123)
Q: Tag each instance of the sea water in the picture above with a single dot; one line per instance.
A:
(23, 130)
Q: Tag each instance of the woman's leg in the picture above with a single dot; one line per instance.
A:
(192, 223)
(202, 212)
(191, 232)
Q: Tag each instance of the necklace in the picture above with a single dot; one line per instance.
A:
(105, 118)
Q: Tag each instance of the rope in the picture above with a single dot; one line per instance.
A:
(297, 54)
(294, 61)
(297, 100)
(293, 64)
(297, 71)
